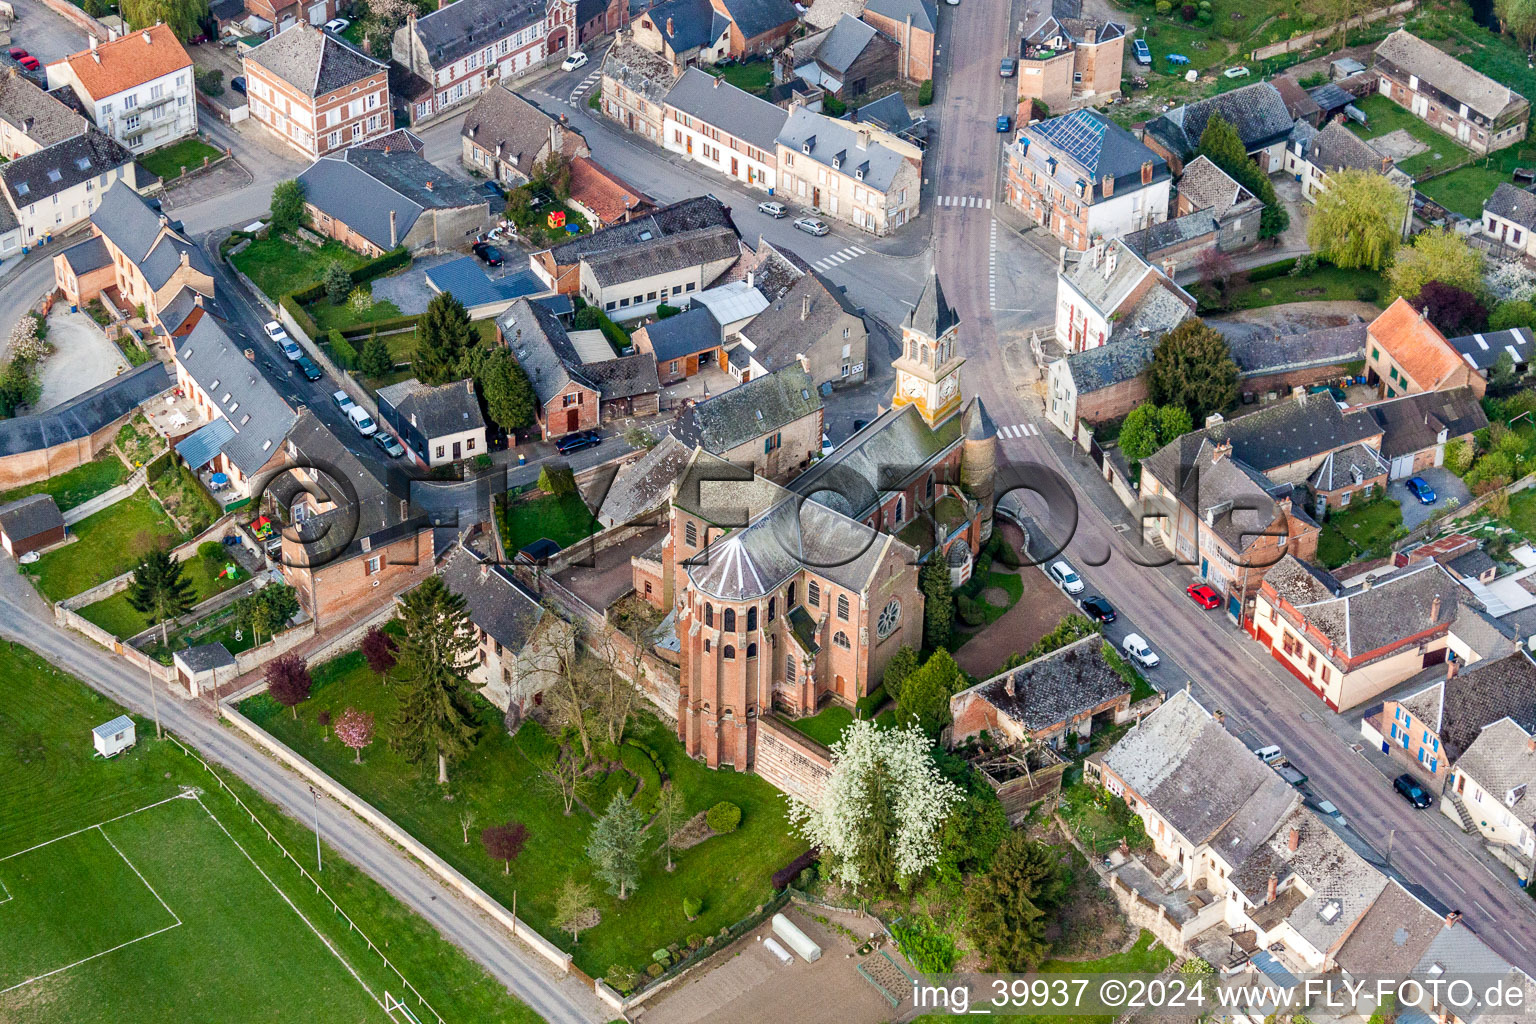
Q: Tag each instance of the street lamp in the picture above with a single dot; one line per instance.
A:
(315, 799)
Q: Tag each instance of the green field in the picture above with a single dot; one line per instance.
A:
(139, 889)
(500, 781)
(109, 544)
(562, 519)
(279, 267)
(189, 153)
(76, 486)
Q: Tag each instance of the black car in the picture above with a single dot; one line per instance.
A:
(310, 368)
(487, 252)
(1098, 608)
(576, 442)
(238, 84)
(493, 191)
(1409, 789)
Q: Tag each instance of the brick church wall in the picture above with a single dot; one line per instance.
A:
(795, 764)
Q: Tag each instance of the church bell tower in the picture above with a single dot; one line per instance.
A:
(928, 370)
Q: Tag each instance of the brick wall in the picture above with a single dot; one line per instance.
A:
(792, 762)
(1113, 401)
(556, 419)
(917, 58)
(345, 587)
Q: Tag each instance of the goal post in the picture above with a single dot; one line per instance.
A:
(393, 1005)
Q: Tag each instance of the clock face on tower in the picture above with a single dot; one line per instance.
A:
(947, 388)
(915, 387)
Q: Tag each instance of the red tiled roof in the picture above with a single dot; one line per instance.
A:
(1415, 344)
(603, 193)
(131, 60)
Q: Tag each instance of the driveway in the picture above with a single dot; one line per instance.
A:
(1447, 485)
(82, 358)
(409, 289)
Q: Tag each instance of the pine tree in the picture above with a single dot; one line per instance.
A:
(614, 846)
(1007, 904)
(160, 591)
(338, 282)
(508, 394)
(1222, 146)
(443, 336)
(938, 602)
(374, 360)
(435, 717)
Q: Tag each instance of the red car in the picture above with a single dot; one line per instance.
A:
(17, 53)
(30, 63)
(1203, 595)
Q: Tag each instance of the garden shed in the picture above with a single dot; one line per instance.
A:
(113, 737)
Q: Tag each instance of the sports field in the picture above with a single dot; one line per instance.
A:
(140, 888)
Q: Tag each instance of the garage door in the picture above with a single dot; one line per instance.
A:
(317, 14)
(1402, 466)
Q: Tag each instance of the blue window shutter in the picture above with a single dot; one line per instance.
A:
(1434, 764)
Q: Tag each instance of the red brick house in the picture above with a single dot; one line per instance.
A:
(568, 399)
(1056, 699)
(315, 92)
(913, 24)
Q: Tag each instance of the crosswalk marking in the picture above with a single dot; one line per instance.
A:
(585, 84)
(840, 257)
(968, 202)
(1018, 430)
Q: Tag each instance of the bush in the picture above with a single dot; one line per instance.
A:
(1204, 18)
(791, 871)
(342, 352)
(664, 311)
(971, 611)
(1270, 271)
(692, 905)
(210, 82)
(1188, 12)
(722, 818)
(1367, 293)
(925, 92)
(300, 315)
(654, 970)
(930, 952)
(1163, 6)
(381, 265)
(867, 706)
(622, 977)
(694, 940)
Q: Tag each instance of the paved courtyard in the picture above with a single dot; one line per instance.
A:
(1447, 486)
(82, 358)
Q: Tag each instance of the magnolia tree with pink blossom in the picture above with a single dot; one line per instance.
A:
(355, 729)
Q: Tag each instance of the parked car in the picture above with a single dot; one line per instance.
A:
(309, 368)
(17, 53)
(1063, 576)
(238, 84)
(362, 421)
(1008, 68)
(1409, 789)
(275, 330)
(343, 400)
(1137, 649)
(577, 441)
(389, 444)
(1098, 608)
(338, 25)
(1203, 595)
(1004, 123)
(827, 446)
(812, 226)
(772, 209)
(1143, 53)
(488, 253)
(493, 191)
(1419, 488)
(574, 61)
(291, 350)
(1238, 72)
(30, 63)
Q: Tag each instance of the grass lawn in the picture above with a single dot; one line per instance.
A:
(754, 77)
(279, 267)
(1325, 283)
(116, 615)
(189, 153)
(76, 486)
(1522, 513)
(500, 782)
(138, 441)
(109, 544)
(1359, 531)
(1386, 116)
(184, 496)
(1009, 582)
(534, 516)
(179, 879)
(825, 727)
(344, 317)
(402, 345)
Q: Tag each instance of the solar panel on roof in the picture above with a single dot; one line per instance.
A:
(1080, 136)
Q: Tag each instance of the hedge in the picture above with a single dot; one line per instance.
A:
(342, 352)
(791, 871)
(300, 316)
(1270, 271)
(158, 467)
(381, 265)
(867, 706)
(392, 323)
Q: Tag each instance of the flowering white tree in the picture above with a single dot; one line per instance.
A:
(25, 344)
(879, 814)
(1510, 280)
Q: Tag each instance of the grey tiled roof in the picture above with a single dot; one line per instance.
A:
(312, 61)
(925, 13)
(896, 444)
(844, 42)
(503, 121)
(754, 17)
(1391, 937)
(435, 411)
(30, 516)
(1054, 688)
(762, 405)
(220, 368)
(624, 376)
(1483, 693)
(933, 315)
(688, 333)
(34, 113)
(644, 486)
(1500, 761)
(497, 605)
(1413, 423)
(1473, 563)
(1368, 619)
(787, 327)
(1482, 351)
(677, 218)
(827, 141)
(1513, 204)
(124, 217)
(664, 255)
(1347, 467)
(204, 657)
(161, 261)
(1330, 97)
(641, 71)
(1150, 241)
(541, 346)
(1260, 349)
(1336, 148)
(1208, 187)
(888, 112)
(774, 269)
(1256, 111)
(86, 413)
(460, 28)
(88, 255)
(694, 23)
(1103, 287)
(361, 187)
(1438, 69)
(1106, 365)
(35, 177)
(979, 425)
(1236, 501)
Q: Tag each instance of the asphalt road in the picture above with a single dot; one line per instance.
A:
(1263, 703)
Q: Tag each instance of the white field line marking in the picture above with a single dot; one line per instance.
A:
(183, 795)
(334, 951)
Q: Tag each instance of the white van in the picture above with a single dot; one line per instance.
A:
(362, 421)
(1269, 755)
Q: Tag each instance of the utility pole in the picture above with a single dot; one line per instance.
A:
(315, 799)
(154, 701)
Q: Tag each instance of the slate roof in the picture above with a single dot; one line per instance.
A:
(1208, 187)
(502, 118)
(825, 140)
(933, 316)
(1500, 761)
(126, 219)
(688, 333)
(1107, 365)
(461, 28)
(664, 255)
(1364, 619)
(1103, 287)
(60, 167)
(1513, 204)
(1336, 148)
(1236, 501)
(646, 485)
(1339, 469)
(312, 61)
(541, 346)
(1474, 563)
(501, 608)
(86, 413)
(1259, 349)
(721, 492)
(762, 405)
(1482, 351)
(88, 255)
(27, 517)
(691, 214)
(360, 187)
(262, 418)
(435, 411)
(779, 334)
(624, 376)
(1297, 102)
(1413, 423)
(978, 423)
(843, 43)
(925, 13)
(1054, 688)
(130, 60)
(1331, 97)
(183, 304)
(1256, 111)
(160, 264)
(1200, 778)
(468, 282)
(1093, 147)
(1438, 69)
(1477, 696)
(754, 17)
(21, 100)
(893, 446)
(695, 23)
(205, 657)
(888, 112)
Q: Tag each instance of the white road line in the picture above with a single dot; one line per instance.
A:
(859, 251)
(989, 204)
(1479, 906)
(1515, 940)
(1457, 884)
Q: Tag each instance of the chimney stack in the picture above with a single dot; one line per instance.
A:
(1274, 888)
(393, 239)
(1008, 686)
(1452, 918)
(1146, 172)
(1294, 841)
(1530, 745)
(805, 307)
(1219, 715)
(429, 186)
(1434, 609)
(1107, 185)
(1221, 451)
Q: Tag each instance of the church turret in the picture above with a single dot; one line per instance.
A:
(978, 461)
(928, 370)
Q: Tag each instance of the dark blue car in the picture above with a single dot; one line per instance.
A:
(1420, 489)
(1004, 123)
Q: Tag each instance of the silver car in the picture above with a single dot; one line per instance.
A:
(812, 226)
(772, 209)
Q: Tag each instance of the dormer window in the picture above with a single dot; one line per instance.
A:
(859, 174)
(808, 145)
(1050, 165)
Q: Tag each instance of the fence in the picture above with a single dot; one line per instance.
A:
(1307, 40)
(420, 999)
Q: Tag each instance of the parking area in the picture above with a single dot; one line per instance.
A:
(82, 358)
(1447, 486)
(410, 291)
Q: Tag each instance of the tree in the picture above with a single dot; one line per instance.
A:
(1514, 313)
(554, 173)
(1069, 630)
(1435, 255)
(355, 729)
(573, 908)
(19, 386)
(443, 335)
(508, 394)
(671, 811)
(379, 650)
(288, 681)
(1192, 368)
(878, 816)
(902, 664)
(185, 17)
(267, 609)
(1139, 434)
(504, 842)
(938, 601)
(570, 697)
(975, 828)
(435, 717)
(619, 656)
(614, 846)
(1519, 18)
(159, 591)
(1007, 905)
(1219, 273)
(287, 204)
(1358, 220)
(1454, 311)
(466, 819)
(926, 692)
(639, 437)
(374, 360)
(1173, 422)
(1501, 376)
(27, 338)
(338, 282)
(564, 775)
(1220, 144)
